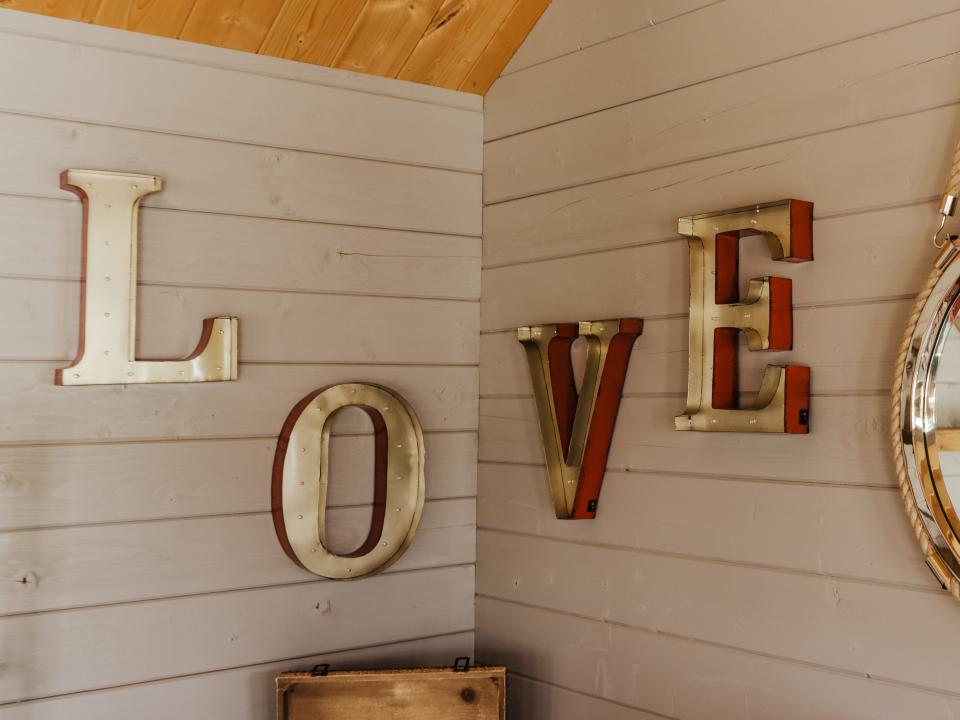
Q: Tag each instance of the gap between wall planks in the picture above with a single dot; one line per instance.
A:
(455, 44)
(584, 181)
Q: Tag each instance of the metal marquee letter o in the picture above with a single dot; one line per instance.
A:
(301, 478)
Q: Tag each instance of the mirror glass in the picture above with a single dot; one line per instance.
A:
(943, 415)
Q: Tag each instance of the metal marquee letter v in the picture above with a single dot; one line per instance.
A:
(577, 431)
(108, 295)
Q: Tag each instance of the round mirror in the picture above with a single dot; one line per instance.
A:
(926, 426)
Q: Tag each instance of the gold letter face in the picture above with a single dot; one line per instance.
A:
(717, 317)
(577, 429)
(301, 478)
(108, 314)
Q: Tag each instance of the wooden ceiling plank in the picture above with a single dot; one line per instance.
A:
(502, 47)
(385, 35)
(82, 10)
(456, 44)
(32, 6)
(234, 24)
(455, 41)
(312, 31)
(153, 17)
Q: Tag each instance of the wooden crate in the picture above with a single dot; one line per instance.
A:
(423, 694)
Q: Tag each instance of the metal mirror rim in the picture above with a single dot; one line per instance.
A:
(916, 455)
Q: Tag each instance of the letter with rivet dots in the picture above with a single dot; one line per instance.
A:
(717, 316)
(108, 314)
(301, 477)
(576, 429)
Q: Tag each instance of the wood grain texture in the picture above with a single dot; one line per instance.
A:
(116, 506)
(256, 404)
(33, 6)
(846, 529)
(226, 630)
(40, 239)
(234, 24)
(868, 78)
(570, 26)
(376, 37)
(476, 693)
(850, 348)
(675, 677)
(154, 17)
(312, 30)
(635, 209)
(538, 700)
(826, 622)
(385, 34)
(454, 41)
(504, 43)
(44, 325)
(726, 575)
(128, 482)
(889, 266)
(242, 693)
(607, 74)
(206, 56)
(847, 441)
(244, 105)
(61, 568)
(241, 179)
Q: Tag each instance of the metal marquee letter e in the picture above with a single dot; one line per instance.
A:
(108, 294)
(717, 316)
(577, 430)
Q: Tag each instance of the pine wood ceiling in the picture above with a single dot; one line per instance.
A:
(456, 44)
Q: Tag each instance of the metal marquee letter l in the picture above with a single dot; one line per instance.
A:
(108, 294)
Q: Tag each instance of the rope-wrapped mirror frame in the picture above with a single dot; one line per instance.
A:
(908, 427)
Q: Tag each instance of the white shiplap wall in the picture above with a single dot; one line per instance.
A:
(726, 576)
(338, 216)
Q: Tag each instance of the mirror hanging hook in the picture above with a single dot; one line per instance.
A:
(948, 206)
(937, 242)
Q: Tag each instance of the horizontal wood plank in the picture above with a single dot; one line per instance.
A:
(40, 238)
(823, 621)
(87, 84)
(652, 280)
(28, 24)
(849, 348)
(676, 677)
(43, 317)
(536, 700)
(827, 169)
(243, 693)
(236, 179)
(878, 76)
(848, 441)
(213, 632)
(847, 531)
(75, 567)
(569, 26)
(607, 74)
(58, 485)
(35, 410)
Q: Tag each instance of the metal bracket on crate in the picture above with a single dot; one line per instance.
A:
(461, 664)
(321, 670)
